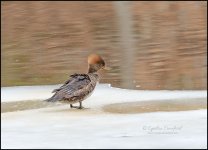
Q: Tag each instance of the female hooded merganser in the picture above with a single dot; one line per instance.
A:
(79, 86)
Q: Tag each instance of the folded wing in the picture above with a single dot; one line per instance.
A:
(73, 87)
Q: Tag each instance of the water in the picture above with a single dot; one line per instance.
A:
(24, 105)
(120, 108)
(157, 106)
(157, 45)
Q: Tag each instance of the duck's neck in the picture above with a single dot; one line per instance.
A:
(92, 69)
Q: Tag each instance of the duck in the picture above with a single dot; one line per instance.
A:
(80, 86)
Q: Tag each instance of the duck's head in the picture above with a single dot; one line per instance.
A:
(95, 63)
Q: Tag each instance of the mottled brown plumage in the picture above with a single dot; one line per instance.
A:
(79, 86)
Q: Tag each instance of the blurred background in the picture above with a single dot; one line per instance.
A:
(148, 45)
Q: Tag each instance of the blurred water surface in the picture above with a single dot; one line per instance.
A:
(149, 45)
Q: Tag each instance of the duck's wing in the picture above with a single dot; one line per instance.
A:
(68, 81)
(75, 82)
(72, 87)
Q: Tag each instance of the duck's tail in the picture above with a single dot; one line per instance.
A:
(54, 98)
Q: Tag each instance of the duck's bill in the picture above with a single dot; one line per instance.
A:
(107, 68)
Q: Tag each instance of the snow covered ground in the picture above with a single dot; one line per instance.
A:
(59, 126)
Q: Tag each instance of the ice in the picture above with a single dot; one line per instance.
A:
(102, 91)
(62, 127)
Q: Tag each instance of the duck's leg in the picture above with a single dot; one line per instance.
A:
(73, 106)
(80, 105)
